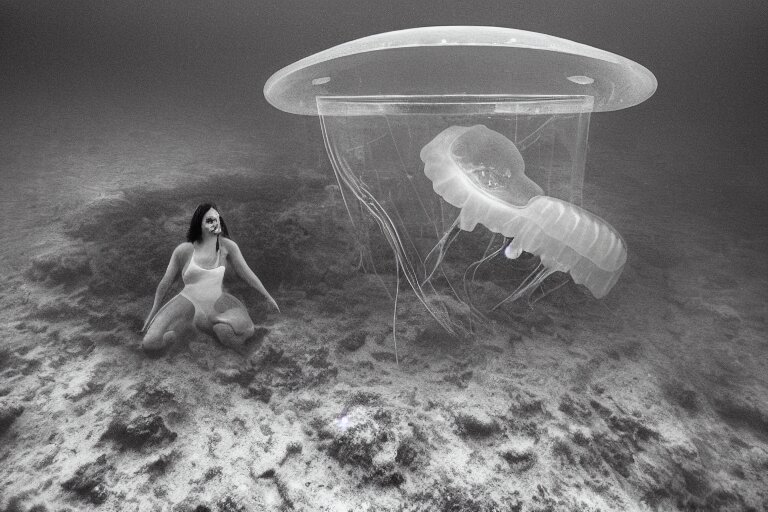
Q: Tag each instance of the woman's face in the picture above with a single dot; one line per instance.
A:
(212, 222)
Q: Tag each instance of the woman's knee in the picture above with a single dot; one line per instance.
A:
(235, 318)
(230, 337)
(154, 342)
(226, 334)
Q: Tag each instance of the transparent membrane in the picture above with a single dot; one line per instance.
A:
(461, 60)
(375, 145)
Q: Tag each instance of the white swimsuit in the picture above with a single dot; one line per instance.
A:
(203, 287)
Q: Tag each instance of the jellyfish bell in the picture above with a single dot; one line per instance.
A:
(460, 60)
(502, 114)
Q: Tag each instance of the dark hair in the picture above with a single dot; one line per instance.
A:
(195, 231)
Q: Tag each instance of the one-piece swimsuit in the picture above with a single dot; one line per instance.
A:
(203, 287)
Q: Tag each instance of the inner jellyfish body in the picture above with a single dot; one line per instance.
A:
(489, 159)
(481, 172)
(460, 153)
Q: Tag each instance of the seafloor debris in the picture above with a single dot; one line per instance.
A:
(149, 430)
(375, 443)
(519, 460)
(66, 265)
(448, 497)
(89, 481)
(160, 465)
(469, 425)
(353, 341)
(8, 414)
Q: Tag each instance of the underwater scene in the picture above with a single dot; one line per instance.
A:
(430, 293)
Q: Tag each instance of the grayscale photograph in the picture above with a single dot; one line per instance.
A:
(371, 256)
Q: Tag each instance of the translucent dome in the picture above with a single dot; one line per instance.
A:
(461, 60)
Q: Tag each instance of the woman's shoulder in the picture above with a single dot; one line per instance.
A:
(227, 243)
(228, 247)
(184, 249)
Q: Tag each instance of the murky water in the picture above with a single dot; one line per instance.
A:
(692, 210)
(61, 154)
(678, 346)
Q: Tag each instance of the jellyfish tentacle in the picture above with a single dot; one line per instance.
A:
(473, 268)
(401, 221)
(404, 169)
(531, 282)
(388, 229)
(394, 311)
(545, 293)
(537, 282)
(535, 134)
(440, 247)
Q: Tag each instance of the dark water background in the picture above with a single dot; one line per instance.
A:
(161, 63)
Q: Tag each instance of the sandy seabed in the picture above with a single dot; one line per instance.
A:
(654, 398)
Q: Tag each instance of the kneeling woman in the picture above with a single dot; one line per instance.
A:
(202, 261)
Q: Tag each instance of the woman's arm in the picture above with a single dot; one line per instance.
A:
(246, 274)
(174, 267)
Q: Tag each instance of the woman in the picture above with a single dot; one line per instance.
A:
(202, 261)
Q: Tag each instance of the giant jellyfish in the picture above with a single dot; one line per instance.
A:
(462, 148)
(482, 173)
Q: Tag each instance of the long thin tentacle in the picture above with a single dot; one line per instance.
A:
(394, 311)
(387, 226)
(474, 312)
(545, 293)
(533, 280)
(441, 246)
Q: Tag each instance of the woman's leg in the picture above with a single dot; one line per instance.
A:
(231, 322)
(172, 319)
